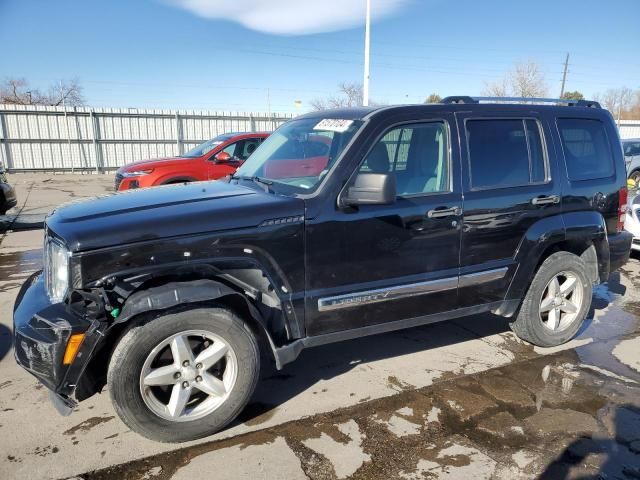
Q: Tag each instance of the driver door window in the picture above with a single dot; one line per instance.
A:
(233, 148)
(417, 155)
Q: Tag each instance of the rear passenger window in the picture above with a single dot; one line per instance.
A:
(586, 148)
(505, 153)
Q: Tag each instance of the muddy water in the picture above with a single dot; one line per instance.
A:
(15, 267)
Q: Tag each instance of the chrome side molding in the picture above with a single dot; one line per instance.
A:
(367, 297)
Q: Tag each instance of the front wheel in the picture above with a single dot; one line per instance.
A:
(184, 375)
(557, 302)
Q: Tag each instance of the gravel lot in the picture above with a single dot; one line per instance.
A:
(461, 399)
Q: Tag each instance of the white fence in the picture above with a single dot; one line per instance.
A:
(629, 128)
(87, 139)
(55, 138)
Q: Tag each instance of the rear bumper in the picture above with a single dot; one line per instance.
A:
(619, 249)
(41, 330)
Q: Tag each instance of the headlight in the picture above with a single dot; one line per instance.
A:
(137, 173)
(56, 269)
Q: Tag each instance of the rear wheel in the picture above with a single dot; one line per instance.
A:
(184, 375)
(557, 302)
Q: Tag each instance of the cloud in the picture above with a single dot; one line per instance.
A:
(291, 17)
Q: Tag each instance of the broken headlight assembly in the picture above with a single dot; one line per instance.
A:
(56, 269)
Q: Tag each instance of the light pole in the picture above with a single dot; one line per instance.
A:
(367, 42)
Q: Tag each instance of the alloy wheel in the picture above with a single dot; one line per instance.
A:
(561, 301)
(188, 375)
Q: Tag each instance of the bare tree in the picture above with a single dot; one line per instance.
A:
(16, 91)
(433, 98)
(349, 95)
(525, 80)
(13, 91)
(617, 100)
(66, 93)
(498, 88)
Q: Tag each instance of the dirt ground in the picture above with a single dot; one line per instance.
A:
(460, 399)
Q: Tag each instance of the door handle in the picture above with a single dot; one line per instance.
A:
(442, 212)
(545, 200)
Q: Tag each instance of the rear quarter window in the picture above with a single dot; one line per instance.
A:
(586, 148)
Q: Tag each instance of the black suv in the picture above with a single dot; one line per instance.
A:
(410, 215)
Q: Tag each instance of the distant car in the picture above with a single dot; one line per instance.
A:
(213, 159)
(632, 221)
(7, 193)
(631, 148)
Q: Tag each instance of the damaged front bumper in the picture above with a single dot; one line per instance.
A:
(41, 331)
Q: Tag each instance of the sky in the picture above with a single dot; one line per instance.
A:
(278, 55)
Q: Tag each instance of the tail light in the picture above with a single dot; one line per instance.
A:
(622, 207)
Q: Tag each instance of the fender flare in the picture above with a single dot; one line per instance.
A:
(172, 294)
(566, 227)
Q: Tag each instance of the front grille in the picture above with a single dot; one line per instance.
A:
(118, 181)
(636, 241)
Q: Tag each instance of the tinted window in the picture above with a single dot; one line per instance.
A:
(631, 148)
(416, 154)
(586, 148)
(505, 153)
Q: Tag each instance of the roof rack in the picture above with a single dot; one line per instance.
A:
(563, 101)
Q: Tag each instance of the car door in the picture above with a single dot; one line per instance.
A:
(510, 182)
(239, 151)
(383, 263)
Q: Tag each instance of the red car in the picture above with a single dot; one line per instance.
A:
(211, 160)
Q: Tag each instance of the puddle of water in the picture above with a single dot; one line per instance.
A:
(16, 266)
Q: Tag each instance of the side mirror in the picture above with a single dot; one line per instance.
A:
(371, 189)
(224, 157)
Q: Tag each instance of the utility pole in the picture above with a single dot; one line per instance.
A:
(367, 42)
(564, 74)
(269, 102)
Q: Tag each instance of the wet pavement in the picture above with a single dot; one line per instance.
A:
(38, 193)
(460, 399)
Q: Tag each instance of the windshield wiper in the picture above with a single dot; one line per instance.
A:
(263, 182)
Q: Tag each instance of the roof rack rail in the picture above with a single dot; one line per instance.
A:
(564, 101)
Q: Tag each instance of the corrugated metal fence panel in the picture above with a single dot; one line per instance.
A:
(55, 138)
(629, 128)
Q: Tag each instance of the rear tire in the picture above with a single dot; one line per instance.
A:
(557, 302)
(167, 394)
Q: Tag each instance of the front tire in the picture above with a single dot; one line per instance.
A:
(184, 375)
(557, 302)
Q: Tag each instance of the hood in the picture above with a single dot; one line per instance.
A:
(167, 211)
(152, 163)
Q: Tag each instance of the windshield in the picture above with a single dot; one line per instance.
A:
(204, 148)
(301, 152)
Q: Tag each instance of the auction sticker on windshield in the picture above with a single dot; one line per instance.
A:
(334, 125)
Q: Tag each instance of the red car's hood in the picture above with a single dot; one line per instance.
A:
(156, 162)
